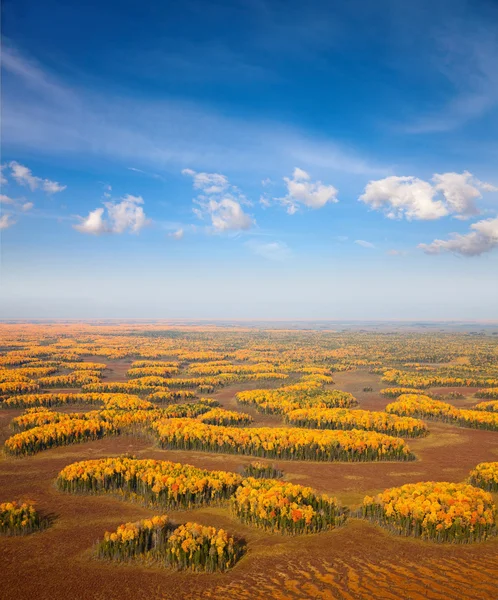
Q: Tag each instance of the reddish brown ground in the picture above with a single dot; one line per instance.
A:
(358, 562)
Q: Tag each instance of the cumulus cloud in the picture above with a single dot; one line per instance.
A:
(364, 244)
(25, 177)
(228, 215)
(27, 206)
(460, 190)
(176, 235)
(219, 201)
(301, 190)
(6, 221)
(416, 199)
(277, 251)
(124, 216)
(400, 197)
(483, 238)
(94, 224)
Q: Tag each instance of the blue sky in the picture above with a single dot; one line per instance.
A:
(250, 160)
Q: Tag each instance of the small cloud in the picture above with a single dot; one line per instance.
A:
(483, 238)
(6, 200)
(123, 216)
(107, 191)
(16, 204)
(209, 183)
(94, 224)
(342, 238)
(364, 244)
(219, 201)
(276, 251)
(228, 215)
(416, 199)
(301, 190)
(6, 221)
(127, 214)
(176, 235)
(396, 252)
(266, 182)
(23, 176)
(3, 179)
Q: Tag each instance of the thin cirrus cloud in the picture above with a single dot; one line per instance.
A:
(125, 216)
(364, 244)
(301, 191)
(415, 199)
(469, 53)
(482, 238)
(274, 251)
(220, 202)
(42, 113)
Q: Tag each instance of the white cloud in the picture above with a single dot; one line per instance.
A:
(17, 204)
(483, 238)
(460, 190)
(220, 201)
(264, 201)
(3, 179)
(94, 224)
(301, 190)
(413, 198)
(6, 221)
(399, 197)
(277, 251)
(228, 215)
(177, 235)
(394, 252)
(364, 244)
(209, 183)
(24, 176)
(126, 215)
(6, 200)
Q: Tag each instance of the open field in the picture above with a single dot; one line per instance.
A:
(359, 560)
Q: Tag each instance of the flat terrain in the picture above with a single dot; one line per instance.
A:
(359, 561)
